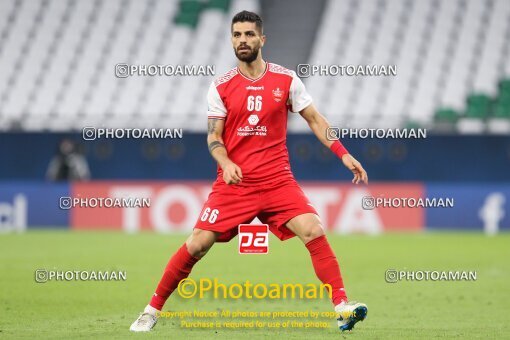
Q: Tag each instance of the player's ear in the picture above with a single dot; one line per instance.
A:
(263, 39)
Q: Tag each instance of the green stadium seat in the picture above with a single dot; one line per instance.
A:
(190, 6)
(189, 12)
(446, 115)
(186, 19)
(478, 106)
(504, 86)
(504, 98)
(501, 110)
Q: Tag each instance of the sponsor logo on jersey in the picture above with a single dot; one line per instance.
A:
(253, 119)
(255, 88)
(254, 129)
(259, 130)
(277, 94)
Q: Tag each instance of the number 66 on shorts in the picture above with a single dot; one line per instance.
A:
(209, 215)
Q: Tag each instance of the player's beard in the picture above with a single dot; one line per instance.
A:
(248, 57)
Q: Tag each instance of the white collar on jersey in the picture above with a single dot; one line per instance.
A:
(253, 80)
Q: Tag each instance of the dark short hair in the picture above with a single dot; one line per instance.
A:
(246, 16)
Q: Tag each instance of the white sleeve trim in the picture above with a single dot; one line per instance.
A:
(215, 106)
(299, 99)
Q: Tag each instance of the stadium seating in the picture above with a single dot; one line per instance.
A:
(58, 60)
(58, 57)
(449, 57)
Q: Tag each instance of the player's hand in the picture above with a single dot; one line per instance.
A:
(232, 173)
(352, 164)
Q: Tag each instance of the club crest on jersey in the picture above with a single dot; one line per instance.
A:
(278, 94)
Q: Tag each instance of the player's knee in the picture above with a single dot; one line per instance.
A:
(312, 233)
(199, 243)
(197, 248)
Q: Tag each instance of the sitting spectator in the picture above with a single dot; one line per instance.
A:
(68, 164)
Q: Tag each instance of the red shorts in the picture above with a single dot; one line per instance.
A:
(274, 204)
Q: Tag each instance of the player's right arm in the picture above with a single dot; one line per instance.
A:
(217, 113)
(231, 172)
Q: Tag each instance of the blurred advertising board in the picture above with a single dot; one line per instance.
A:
(477, 206)
(33, 204)
(175, 206)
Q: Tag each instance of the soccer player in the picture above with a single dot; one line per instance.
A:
(247, 126)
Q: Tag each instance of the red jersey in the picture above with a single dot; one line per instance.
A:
(255, 114)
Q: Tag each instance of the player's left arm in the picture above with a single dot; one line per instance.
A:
(319, 125)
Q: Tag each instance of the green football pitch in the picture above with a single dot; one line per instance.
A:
(406, 309)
